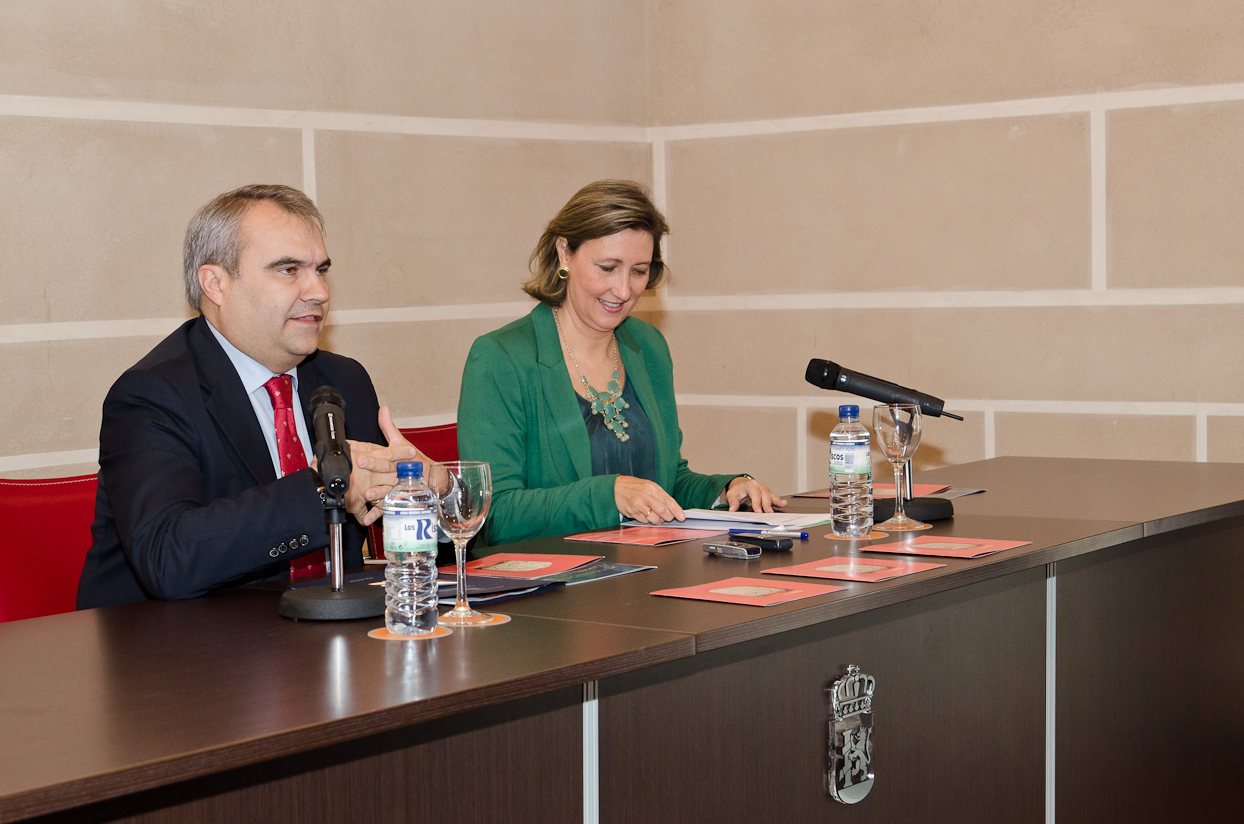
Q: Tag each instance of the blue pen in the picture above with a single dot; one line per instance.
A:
(769, 533)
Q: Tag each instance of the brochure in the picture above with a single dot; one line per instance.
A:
(754, 592)
(866, 570)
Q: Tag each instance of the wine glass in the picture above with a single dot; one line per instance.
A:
(897, 429)
(462, 504)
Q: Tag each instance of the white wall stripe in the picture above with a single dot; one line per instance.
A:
(801, 447)
(140, 112)
(1202, 436)
(308, 163)
(663, 301)
(660, 182)
(88, 329)
(803, 404)
(508, 310)
(148, 112)
(1000, 299)
(1099, 212)
(831, 400)
(1068, 104)
(413, 421)
(42, 460)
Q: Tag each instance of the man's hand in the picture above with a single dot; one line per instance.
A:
(375, 469)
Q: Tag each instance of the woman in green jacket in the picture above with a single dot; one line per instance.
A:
(573, 405)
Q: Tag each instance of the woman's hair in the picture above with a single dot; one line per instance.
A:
(599, 209)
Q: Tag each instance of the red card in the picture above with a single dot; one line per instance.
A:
(917, 490)
(644, 535)
(755, 592)
(868, 570)
(946, 547)
(524, 565)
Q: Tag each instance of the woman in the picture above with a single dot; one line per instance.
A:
(573, 405)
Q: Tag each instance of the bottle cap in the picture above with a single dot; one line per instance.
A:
(848, 410)
(410, 469)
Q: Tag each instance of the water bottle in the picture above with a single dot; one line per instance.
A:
(850, 475)
(410, 549)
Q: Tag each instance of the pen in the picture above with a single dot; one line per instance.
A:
(769, 533)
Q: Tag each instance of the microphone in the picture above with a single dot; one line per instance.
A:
(332, 453)
(829, 375)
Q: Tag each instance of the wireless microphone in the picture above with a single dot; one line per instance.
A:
(829, 375)
(332, 453)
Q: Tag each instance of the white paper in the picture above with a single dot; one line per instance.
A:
(722, 519)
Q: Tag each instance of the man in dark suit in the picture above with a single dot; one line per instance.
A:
(206, 470)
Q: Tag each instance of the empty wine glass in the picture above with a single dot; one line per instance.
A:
(462, 504)
(897, 429)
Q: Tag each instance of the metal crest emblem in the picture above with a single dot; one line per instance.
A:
(850, 775)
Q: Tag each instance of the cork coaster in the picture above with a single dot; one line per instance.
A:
(872, 536)
(384, 635)
(494, 620)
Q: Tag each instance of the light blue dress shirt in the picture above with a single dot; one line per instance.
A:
(254, 375)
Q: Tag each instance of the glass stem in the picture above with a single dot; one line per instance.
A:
(462, 605)
(899, 515)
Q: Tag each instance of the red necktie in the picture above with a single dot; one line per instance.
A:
(293, 458)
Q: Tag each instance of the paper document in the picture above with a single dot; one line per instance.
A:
(723, 520)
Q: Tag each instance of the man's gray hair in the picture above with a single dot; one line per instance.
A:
(214, 235)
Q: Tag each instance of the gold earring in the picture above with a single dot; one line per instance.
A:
(563, 273)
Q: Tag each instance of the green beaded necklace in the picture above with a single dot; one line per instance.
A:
(608, 404)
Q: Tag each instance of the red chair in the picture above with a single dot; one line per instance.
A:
(440, 443)
(47, 531)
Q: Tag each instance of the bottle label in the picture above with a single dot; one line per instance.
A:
(411, 530)
(850, 457)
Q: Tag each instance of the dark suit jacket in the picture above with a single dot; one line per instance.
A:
(188, 499)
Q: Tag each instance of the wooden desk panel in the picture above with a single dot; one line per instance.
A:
(1150, 717)
(119, 700)
(516, 762)
(739, 734)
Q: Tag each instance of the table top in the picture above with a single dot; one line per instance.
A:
(1161, 495)
(626, 600)
(101, 703)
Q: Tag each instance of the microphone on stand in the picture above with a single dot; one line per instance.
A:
(338, 601)
(829, 375)
(332, 453)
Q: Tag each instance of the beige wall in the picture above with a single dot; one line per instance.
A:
(1031, 209)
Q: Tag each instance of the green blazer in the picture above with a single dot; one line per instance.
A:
(518, 411)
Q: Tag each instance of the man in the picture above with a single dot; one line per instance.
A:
(206, 465)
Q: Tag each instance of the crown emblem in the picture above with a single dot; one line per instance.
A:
(849, 773)
(853, 693)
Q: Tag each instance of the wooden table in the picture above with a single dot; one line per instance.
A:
(1098, 672)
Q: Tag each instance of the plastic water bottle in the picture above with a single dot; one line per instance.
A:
(410, 549)
(850, 475)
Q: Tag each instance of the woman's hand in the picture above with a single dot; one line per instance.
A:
(751, 491)
(643, 500)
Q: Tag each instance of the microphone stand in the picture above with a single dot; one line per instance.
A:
(338, 601)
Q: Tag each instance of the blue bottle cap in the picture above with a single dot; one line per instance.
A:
(849, 410)
(410, 469)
